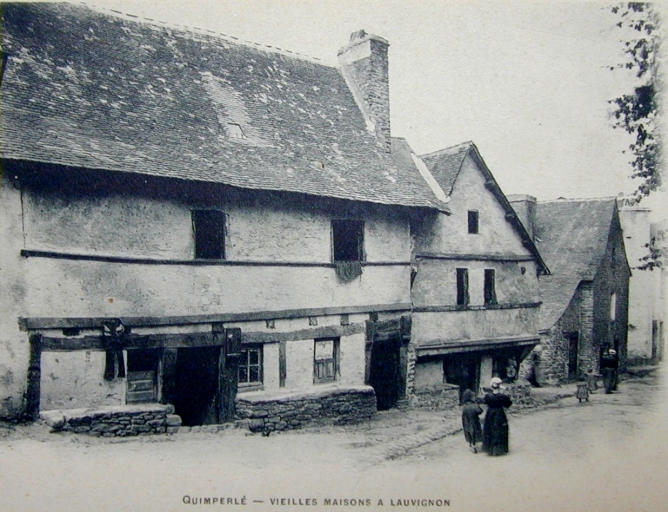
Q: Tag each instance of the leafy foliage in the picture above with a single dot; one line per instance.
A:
(637, 112)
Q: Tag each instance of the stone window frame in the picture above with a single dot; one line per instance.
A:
(327, 370)
(245, 364)
(202, 233)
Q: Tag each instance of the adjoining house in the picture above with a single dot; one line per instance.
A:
(475, 286)
(645, 330)
(194, 221)
(585, 298)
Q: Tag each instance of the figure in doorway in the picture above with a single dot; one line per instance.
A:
(471, 412)
(495, 430)
(609, 364)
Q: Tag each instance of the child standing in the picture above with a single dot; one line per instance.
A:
(471, 412)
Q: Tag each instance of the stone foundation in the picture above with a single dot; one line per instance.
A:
(112, 421)
(285, 411)
(443, 396)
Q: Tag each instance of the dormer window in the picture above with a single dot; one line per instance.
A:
(234, 131)
(473, 221)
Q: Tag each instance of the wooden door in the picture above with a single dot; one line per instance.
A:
(228, 365)
(572, 355)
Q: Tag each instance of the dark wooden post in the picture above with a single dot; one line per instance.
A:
(229, 341)
(34, 376)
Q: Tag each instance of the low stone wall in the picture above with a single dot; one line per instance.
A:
(443, 396)
(285, 411)
(125, 420)
(520, 393)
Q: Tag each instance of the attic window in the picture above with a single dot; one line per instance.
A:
(347, 240)
(234, 131)
(209, 231)
(473, 221)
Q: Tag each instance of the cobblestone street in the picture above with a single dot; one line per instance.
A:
(577, 455)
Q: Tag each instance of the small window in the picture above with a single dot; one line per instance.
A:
(613, 306)
(325, 360)
(490, 288)
(462, 286)
(348, 240)
(473, 221)
(209, 229)
(250, 366)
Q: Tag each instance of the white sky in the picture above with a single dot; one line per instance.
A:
(527, 81)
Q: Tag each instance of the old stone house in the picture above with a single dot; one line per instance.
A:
(190, 220)
(475, 284)
(585, 298)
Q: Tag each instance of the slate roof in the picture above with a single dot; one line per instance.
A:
(445, 166)
(83, 88)
(572, 235)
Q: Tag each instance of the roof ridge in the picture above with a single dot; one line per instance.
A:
(577, 199)
(449, 148)
(199, 31)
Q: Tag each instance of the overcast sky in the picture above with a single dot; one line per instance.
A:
(526, 81)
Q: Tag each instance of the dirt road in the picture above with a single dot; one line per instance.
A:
(609, 454)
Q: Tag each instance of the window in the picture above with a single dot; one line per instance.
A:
(473, 221)
(250, 366)
(209, 229)
(325, 360)
(348, 240)
(613, 306)
(490, 290)
(462, 286)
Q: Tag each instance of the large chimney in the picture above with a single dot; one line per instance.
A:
(364, 66)
(525, 208)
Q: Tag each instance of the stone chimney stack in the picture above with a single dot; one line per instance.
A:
(525, 208)
(365, 69)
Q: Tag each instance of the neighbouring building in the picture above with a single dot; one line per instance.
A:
(645, 301)
(475, 285)
(194, 221)
(585, 298)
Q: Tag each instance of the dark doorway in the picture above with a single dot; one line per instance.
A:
(196, 384)
(462, 370)
(572, 338)
(384, 374)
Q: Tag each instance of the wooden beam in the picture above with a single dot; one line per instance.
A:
(474, 257)
(34, 378)
(132, 341)
(107, 258)
(32, 323)
(329, 331)
(441, 308)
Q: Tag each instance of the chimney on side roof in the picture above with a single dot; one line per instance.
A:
(365, 69)
(525, 208)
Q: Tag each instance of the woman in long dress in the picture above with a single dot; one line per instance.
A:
(495, 429)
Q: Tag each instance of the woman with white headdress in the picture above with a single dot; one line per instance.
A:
(495, 429)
